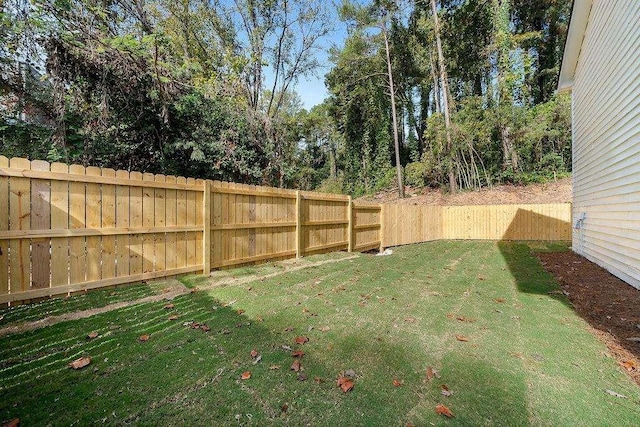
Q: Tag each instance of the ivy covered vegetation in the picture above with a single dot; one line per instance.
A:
(457, 93)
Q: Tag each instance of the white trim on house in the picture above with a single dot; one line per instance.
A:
(573, 46)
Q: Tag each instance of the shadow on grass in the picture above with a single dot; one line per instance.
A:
(530, 276)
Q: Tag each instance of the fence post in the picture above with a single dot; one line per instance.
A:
(206, 228)
(351, 231)
(381, 218)
(299, 248)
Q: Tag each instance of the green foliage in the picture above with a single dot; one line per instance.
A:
(416, 174)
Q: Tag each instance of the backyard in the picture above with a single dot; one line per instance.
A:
(478, 327)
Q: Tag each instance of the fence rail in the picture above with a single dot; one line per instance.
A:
(65, 228)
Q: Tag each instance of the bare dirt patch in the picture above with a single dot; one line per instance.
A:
(552, 192)
(606, 302)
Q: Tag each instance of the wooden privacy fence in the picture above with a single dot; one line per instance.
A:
(65, 228)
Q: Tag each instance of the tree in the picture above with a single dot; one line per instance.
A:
(378, 15)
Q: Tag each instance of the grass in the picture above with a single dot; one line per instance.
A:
(529, 359)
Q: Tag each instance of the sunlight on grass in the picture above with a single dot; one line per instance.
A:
(528, 360)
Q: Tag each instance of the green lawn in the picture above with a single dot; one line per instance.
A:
(529, 359)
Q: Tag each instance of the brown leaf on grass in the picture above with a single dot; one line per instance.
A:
(345, 384)
(462, 338)
(445, 390)
(274, 367)
(297, 353)
(239, 311)
(443, 410)
(254, 353)
(318, 380)
(302, 377)
(288, 329)
(301, 340)
(245, 375)
(80, 363)
(173, 317)
(397, 382)
(205, 328)
(410, 319)
(295, 366)
(499, 300)
(15, 422)
(260, 319)
(169, 306)
(144, 338)
(195, 325)
(324, 329)
(430, 373)
(305, 310)
(194, 290)
(92, 335)
(629, 365)
(465, 319)
(516, 354)
(284, 408)
(450, 316)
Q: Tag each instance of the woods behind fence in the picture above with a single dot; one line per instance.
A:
(65, 228)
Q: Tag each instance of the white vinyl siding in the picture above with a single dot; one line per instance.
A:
(606, 140)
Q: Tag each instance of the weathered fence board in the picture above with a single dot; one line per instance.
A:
(65, 228)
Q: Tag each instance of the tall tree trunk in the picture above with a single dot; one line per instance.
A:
(445, 97)
(396, 140)
(436, 85)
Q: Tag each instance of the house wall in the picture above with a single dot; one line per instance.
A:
(606, 140)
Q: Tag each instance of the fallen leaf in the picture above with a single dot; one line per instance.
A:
(274, 367)
(301, 340)
(173, 317)
(613, 393)
(305, 310)
(194, 290)
(629, 365)
(295, 366)
(205, 328)
(92, 335)
(258, 359)
(245, 375)
(430, 373)
(302, 377)
(288, 329)
(253, 353)
(443, 410)
(397, 382)
(410, 319)
(445, 390)
(297, 353)
(80, 363)
(450, 316)
(195, 325)
(144, 338)
(462, 338)
(239, 311)
(284, 408)
(15, 422)
(517, 355)
(350, 373)
(169, 306)
(260, 319)
(325, 328)
(318, 380)
(499, 300)
(345, 384)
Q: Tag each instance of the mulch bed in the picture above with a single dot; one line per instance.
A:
(609, 305)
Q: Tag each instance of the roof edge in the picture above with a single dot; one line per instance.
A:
(573, 45)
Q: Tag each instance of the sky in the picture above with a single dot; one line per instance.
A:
(311, 89)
